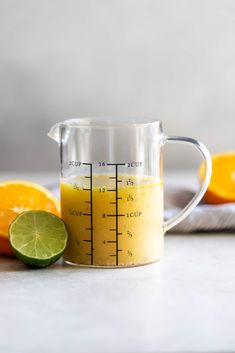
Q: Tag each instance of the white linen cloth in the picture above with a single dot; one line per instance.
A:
(203, 218)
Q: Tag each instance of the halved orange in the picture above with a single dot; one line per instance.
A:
(222, 184)
(17, 196)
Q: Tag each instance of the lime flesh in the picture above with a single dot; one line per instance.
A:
(38, 238)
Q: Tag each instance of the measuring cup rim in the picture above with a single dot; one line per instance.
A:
(110, 122)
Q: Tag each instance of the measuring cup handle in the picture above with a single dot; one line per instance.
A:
(198, 196)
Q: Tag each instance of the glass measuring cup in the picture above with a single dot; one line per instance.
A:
(112, 190)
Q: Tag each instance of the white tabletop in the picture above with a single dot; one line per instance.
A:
(184, 303)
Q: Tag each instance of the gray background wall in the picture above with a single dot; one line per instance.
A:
(173, 60)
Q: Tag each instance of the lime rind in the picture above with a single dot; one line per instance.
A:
(38, 238)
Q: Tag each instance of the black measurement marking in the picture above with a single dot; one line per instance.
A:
(91, 226)
(112, 203)
(116, 253)
(116, 215)
(90, 214)
(75, 163)
(101, 164)
(116, 174)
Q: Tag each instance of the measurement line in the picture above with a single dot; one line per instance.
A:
(114, 177)
(91, 211)
(116, 174)
(115, 215)
(116, 254)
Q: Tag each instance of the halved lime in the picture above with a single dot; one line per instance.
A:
(38, 238)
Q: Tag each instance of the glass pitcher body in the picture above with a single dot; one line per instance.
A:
(112, 190)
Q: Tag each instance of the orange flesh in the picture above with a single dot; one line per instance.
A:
(222, 185)
(16, 197)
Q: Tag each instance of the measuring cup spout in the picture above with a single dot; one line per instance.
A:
(54, 132)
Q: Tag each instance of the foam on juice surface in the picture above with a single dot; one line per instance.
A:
(126, 225)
